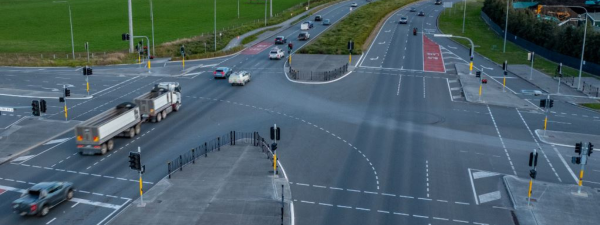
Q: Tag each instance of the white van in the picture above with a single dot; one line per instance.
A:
(306, 25)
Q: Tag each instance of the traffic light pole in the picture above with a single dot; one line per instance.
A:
(87, 84)
(149, 52)
(142, 204)
(65, 98)
(274, 154)
(547, 108)
(532, 173)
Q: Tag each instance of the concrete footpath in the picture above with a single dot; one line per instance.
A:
(553, 204)
(28, 133)
(232, 186)
(492, 92)
(549, 84)
(565, 139)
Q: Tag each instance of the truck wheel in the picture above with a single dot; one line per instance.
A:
(110, 145)
(138, 128)
(45, 210)
(164, 114)
(131, 133)
(158, 117)
(176, 107)
(103, 149)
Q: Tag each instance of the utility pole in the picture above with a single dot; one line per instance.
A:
(87, 48)
(271, 9)
(506, 26)
(464, 16)
(130, 26)
(215, 25)
(559, 77)
(265, 12)
(531, 57)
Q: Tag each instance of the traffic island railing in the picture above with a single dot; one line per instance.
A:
(590, 89)
(295, 74)
(231, 138)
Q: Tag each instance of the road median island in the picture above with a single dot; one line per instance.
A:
(489, 43)
(357, 26)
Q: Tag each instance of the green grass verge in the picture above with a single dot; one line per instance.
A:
(253, 37)
(357, 27)
(25, 59)
(42, 26)
(595, 106)
(490, 43)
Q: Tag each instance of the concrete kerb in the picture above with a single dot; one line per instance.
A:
(32, 147)
(351, 69)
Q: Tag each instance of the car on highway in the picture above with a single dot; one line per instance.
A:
(222, 72)
(306, 25)
(39, 199)
(438, 2)
(279, 40)
(303, 36)
(239, 78)
(276, 53)
(354, 5)
(403, 20)
(413, 9)
(318, 18)
(326, 22)
(421, 13)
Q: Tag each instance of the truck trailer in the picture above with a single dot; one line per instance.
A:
(95, 135)
(162, 100)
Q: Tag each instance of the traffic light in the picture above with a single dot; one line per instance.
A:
(590, 148)
(559, 69)
(125, 37)
(89, 71)
(61, 99)
(273, 147)
(505, 66)
(533, 159)
(43, 107)
(543, 103)
(35, 108)
(470, 52)
(134, 161)
(478, 74)
(551, 103)
(182, 50)
(576, 160)
(532, 173)
(275, 133)
(578, 148)
(67, 92)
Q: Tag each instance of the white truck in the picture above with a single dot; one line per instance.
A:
(162, 100)
(95, 135)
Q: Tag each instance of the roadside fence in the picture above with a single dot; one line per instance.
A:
(295, 74)
(231, 138)
(590, 89)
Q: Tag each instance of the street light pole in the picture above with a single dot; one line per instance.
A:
(472, 56)
(506, 26)
(584, 36)
(130, 26)
(271, 9)
(71, 23)
(215, 25)
(238, 9)
(464, 16)
(265, 12)
(152, 19)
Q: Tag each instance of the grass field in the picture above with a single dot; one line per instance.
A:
(595, 106)
(357, 27)
(41, 26)
(490, 43)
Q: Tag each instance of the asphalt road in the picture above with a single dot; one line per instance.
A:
(388, 144)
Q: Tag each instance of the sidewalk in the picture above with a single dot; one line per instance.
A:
(232, 186)
(565, 139)
(553, 204)
(28, 133)
(549, 84)
(492, 92)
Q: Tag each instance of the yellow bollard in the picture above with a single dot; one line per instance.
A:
(183, 62)
(149, 66)
(274, 163)
(87, 87)
(581, 178)
(471, 66)
(545, 122)
(479, 89)
(66, 111)
(141, 190)
(530, 184)
(139, 59)
(350, 59)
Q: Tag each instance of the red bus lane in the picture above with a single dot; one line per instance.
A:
(432, 56)
(257, 48)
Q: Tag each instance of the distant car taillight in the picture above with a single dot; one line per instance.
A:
(215, 73)
(33, 207)
(222, 73)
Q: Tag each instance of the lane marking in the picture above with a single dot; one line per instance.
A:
(502, 141)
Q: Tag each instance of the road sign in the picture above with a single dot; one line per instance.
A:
(447, 4)
(6, 109)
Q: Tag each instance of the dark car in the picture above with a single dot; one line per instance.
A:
(413, 9)
(421, 13)
(326, 22)
(279, 40)
(438, 2)
(303, 36)
(39, 199)
(222, 72)
(318, 18)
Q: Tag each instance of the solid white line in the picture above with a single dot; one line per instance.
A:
(438, 218)
(363, 209)
(307, 202)
(473, 186)
(370, 192)
(419, 216)
(353, 190)
(399, 81)
(402, 214)
(461, 221)
(301, 184)
(404, 196)
(464, 203)
(94, 203)
(426, 199)
(319, 186)
(566, 165)
(388, 194)
(381, 211)
(343, 206)
(334, 188)
(325, 204)
(75, 205)
(449, 91)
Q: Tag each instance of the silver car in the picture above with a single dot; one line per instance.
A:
(240, 78)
